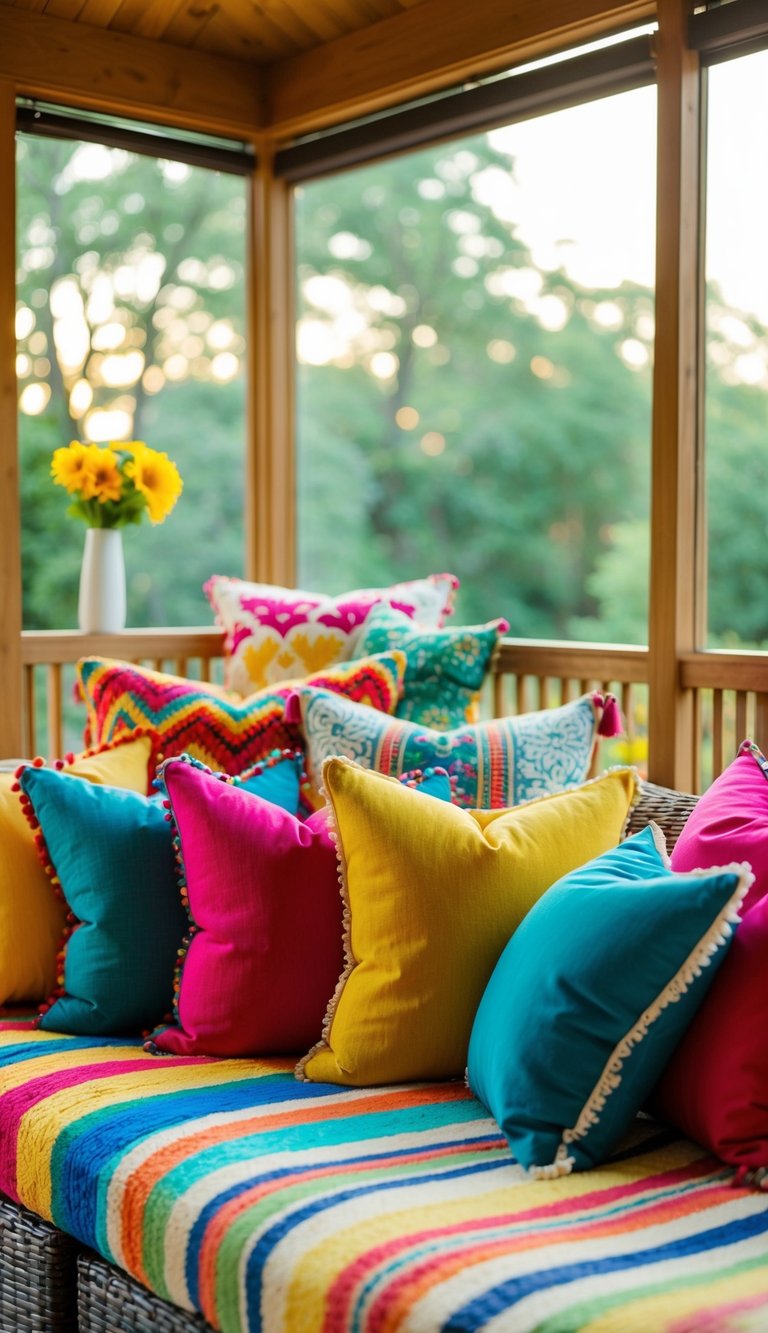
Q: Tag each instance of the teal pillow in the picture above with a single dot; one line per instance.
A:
(445, 668)
(111, 855)
(591, 996)
(112, 859)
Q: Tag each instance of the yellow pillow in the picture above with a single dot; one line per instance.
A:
(31, 916)
(432, 894)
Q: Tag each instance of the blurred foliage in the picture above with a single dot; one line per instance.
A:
(458, 408)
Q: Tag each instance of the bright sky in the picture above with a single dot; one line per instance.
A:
(566, 164)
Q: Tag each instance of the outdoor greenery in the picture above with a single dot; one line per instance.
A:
(458, 407)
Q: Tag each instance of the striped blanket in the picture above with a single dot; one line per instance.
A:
(229, 1188)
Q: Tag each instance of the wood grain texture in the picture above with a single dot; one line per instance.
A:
(430, 45)
(674, 494)
(10, 532)
(238, 29)
(271, 486)
(109, 71)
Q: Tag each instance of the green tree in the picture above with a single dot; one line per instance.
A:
(129, 286)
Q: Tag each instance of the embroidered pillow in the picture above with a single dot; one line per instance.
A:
(730, 821)
(715, 1087)
(445, 669)
(590, 997)
(274, 634)
(492, 764)
(431, 896)
(31, 917)
(223, 731)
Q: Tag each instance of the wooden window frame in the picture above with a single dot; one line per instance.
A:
(430, 46)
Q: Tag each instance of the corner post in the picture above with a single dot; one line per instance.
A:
(11, 687)
(675, 504)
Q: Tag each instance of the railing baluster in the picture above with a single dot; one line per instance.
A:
(498, 695)
(30, 737)
(698, 721)
(717, 733)
(761, 720)
(54, 701)
(741, 716)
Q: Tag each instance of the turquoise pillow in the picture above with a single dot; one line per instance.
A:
(111, 853)
(591, 996)
(445, 668)
(112, 859)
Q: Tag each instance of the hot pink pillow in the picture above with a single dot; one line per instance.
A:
(715, 1088)
(730, 823)
(264, 950)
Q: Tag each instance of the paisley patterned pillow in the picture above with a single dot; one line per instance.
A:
(224, 731)
(444, 668)
(275, 634)
(492, 764)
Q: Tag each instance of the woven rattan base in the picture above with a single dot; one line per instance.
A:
(37, 1274)
(108, 1301)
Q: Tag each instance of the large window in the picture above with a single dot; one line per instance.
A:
(736, 419)
(474, 345)
(130, 325)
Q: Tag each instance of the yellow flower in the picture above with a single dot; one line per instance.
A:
(67, 465)
(101, 475)
(158, 480)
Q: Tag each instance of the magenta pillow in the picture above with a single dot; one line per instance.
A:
(730, 823)
(715, 1088)
(264, 949)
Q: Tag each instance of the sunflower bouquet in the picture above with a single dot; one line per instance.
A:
(113, 485)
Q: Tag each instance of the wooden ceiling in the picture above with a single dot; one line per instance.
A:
(258, 31)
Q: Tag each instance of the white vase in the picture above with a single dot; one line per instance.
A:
(101, 604)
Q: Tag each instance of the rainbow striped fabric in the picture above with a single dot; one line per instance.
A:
(267, 1204)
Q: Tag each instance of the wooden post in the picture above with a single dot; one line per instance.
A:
(270, 486)
(10, 524)
(675, 458)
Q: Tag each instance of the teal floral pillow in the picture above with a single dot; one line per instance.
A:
(445, 668)
(491, 764)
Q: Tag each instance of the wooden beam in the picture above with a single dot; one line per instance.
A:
(675, 452)
(432, 45)
(10, 525)
(270, 488)
(84, 66)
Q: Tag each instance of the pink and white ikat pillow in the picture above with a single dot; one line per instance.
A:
(274, 634)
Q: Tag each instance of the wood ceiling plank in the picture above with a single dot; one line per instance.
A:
(188, 21)
(156, 16)
(65, 9)
(245, 34)
(318, 18)
(89, 67)
(286, 18)
(431, 45)
(99, 12)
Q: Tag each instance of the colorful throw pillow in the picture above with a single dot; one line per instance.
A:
(432, 894)
(591, 996)
(274, 634)
(730, 822)
(110, 856)
(31, 917)
(445, 669)
(263, 951)
(493, 764)
(715, 1087)
(225, 732)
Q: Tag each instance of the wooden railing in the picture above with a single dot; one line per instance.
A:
(730, 690)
